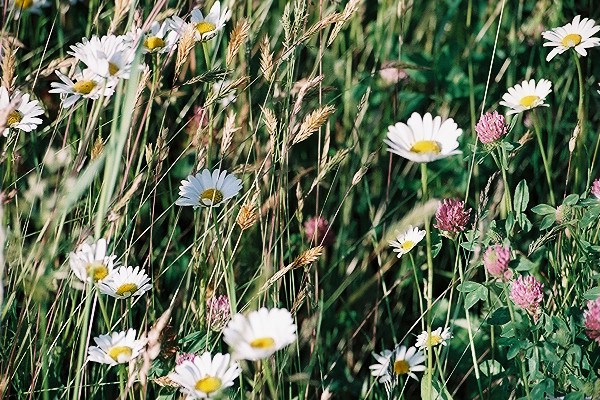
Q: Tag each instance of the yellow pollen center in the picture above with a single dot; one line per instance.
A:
(211, 196)
(113, 69)
(97, 271)
(120, 353)
(23, 4)
(153, 43)
(126, 289)
(84, 87)
(426, 147)
(263, 343)
(14, 118)
(434, 340)
(407, 245)
(529, 101)
(208, 384)
(571, 40)
(205, 27)
(401, 367)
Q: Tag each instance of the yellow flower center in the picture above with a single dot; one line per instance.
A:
(571, 40)
(120, 353)
(208, 384)
(407, 245)
(529, 101)
(263, 343)
(434, 340)
(211, 196)
(97, 271)
(23, 4)
(153, 43)
(426, 147)
(205, 27)
(401, 367)
(113, 69)
(84, 87)
(14, 118)
(126, 289)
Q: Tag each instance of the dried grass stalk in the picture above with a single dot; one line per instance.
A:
(8, 66)
(270, 122)
(312, 122)
(121, 9)
(307, 257)
(247, 216)
(184, 47)
(349, 10)
(237, 38)
(228, 132)
(266, 59)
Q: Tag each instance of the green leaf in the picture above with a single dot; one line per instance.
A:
(521, 198)
(500, 316)
(468, 286)
(543, 209)
(571, 199)
(547, 221)
(437, 391)
(525, 265)
(592, 294)
(491, 368)
(541, 389)
(472, 298)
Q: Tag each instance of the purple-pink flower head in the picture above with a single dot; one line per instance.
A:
(452, 217)
(527, 292)
(595, 188)
(318, 231)
(181, 357)
(591, 318)
(491, 127)
(218, 312)
(495, 261)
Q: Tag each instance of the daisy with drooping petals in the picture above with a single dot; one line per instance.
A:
(424, 139)
(108, 57)
(259, 334)
(576, 35)
(208, 189)
(116, 348)
(205, 376)
(90, 262)
(85, 85)
(125, 282)
(406, 241)
(207, 27)
(22, 112)
(526, 95)
(160, 38)
(402, 361)
(437, 337)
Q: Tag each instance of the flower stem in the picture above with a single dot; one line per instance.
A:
(580, 119)
(83, 338)
(425, 195)
(538, 135)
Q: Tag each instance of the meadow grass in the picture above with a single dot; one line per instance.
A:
(294, 99)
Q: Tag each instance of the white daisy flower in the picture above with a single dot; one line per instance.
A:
(208, 27)
(208, 189)
(526, 95)
(125, 282)
(437, 337)
(406, 241)
(85, 84)
(402, 361)
(160, 38)
(424, 139)
(260, 334)
(116, 348)
(577, 35)
(90, 261)
(23, 112)
(205, 376)
(29, 6)
(108, 56)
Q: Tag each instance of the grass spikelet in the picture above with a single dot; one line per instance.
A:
(120, 10)
(349, 10)
(312, 122)
(228, 132)
(8, 66)
(184, 47)
(266, 59)
(306, 258)
(247, 216)
(97, 148)
(306, 87)
(270, 122)
(237, 38)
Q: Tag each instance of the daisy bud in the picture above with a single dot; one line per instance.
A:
(452, 217)
(595, 189)
(317, 230)
(491, 127)
(592, 320)
(218, 312)
(526, 292)
(495, 261)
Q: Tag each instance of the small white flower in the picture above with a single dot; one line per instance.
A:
(207, 27)
(260, 334)
(116, 348)
(526, 95)
(406, 241)
(125, 282)
(28, 6)
(381, 369)
(424, 139)
(108, 57)
(205, 376)
(90, 262)
(402, 361)
(437, 337)
(577, 35)
(85, 84)
(161, 38)
(208, 189)
(23, 112)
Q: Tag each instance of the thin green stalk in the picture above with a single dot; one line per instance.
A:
(429, 281)
(83, 338)
(581, 121)
(538, 135)
(269, 376)
(418, 285)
